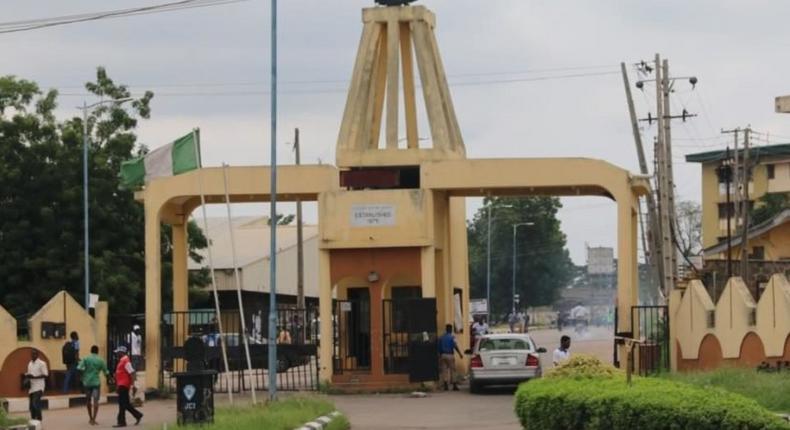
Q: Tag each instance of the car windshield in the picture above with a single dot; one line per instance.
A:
(504, 344)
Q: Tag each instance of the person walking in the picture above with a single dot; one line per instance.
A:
(447, 346)
(36, 376)
(91, 366)
(71, 356)
(136, 347)
(562, 353)
(124, 381)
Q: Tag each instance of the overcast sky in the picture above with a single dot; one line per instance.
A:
(209, 68)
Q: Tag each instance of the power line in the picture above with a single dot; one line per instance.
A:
(343, 90)
(35, 24)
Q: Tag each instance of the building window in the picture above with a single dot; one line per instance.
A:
(723, 210)
(758, 253)
(771, 173)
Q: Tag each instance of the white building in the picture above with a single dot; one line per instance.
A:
(251, 235)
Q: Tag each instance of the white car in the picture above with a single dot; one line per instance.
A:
(504, 359)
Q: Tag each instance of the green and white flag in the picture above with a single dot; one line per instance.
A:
(179, 156)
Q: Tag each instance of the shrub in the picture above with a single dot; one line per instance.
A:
(647, 404)
(584, 366)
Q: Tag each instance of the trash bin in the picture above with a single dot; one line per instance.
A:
(195, 396)
(195, 387)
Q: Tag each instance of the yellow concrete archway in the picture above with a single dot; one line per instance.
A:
(421, 218)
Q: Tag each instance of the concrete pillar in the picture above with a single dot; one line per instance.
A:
(153, 295)
(180, 271)
(627, 270)
(325, 313)
(675, 297)
(428, 271)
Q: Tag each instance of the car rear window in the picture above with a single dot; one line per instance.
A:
(504, 344)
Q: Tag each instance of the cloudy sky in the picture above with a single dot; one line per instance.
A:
(506, 60)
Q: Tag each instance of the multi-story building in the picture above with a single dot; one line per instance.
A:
(770, 175)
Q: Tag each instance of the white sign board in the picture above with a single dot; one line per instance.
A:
(478, 306)
(372, 215)
(345, 306)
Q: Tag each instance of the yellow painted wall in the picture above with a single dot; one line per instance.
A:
(60, 308)
(775, 242)
(736, 315)
(413, 223)
(710, 209)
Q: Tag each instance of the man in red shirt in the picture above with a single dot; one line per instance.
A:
(124, 381)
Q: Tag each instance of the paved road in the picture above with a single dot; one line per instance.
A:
(443, 410)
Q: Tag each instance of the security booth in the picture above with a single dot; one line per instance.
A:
(195, 387)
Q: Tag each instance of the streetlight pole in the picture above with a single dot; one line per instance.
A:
(515, 228)
(85, 205)
(488, 258)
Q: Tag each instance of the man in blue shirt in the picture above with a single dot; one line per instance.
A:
(447, 347)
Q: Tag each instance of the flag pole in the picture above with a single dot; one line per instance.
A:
(238, 282)
(195, 140)
(272, 344)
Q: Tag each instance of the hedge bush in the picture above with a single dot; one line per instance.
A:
(584, 366)
(649, 403)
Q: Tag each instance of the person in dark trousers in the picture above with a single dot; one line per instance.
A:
(36, 376)
(91, 367)
(71, 356)
(447, 347)
(124, 381)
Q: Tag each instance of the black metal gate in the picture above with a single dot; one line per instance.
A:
(297, 348)
(351, 350)
(409, 338)
(650, 325)
(119, 333)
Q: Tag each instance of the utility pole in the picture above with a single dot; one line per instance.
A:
(666, 86)
(725, 171)
(745, 210)
(733, 207)
(667, 220)
(664, 189)
(299, 238)
(653, 247)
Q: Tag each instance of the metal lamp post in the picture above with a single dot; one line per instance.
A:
(515, 228)
(488, 258)
(86, 223)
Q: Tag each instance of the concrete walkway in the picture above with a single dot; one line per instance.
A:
(443, 410)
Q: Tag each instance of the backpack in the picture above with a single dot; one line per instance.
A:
(69, 353)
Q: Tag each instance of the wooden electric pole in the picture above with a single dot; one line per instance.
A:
(299, 245)
(733, 196)
(653, 247)
(746, 175)
(664, 186)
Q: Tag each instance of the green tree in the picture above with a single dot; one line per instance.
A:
(41, 221)
(769, 205)
(283, 219)
(543, 263)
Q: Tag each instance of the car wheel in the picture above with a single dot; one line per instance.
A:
(475, 387)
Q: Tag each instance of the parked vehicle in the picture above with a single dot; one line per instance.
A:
(504, 359)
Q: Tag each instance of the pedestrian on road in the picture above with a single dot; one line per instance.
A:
(36, 376)
(136, 347)
(562, 353)
(124, 381)
(447, 348)
(71, 356)
(512, 320)
(91, 366)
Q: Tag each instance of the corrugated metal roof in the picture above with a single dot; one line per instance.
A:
(757, 151)
(251, 235)
(754, 231)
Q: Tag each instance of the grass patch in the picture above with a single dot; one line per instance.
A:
(339, 423)
(6, 421)
(285, 414)
(771, 390)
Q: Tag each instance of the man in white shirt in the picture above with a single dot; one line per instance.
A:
(562, 353)
(136, 346)
(37, 374)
